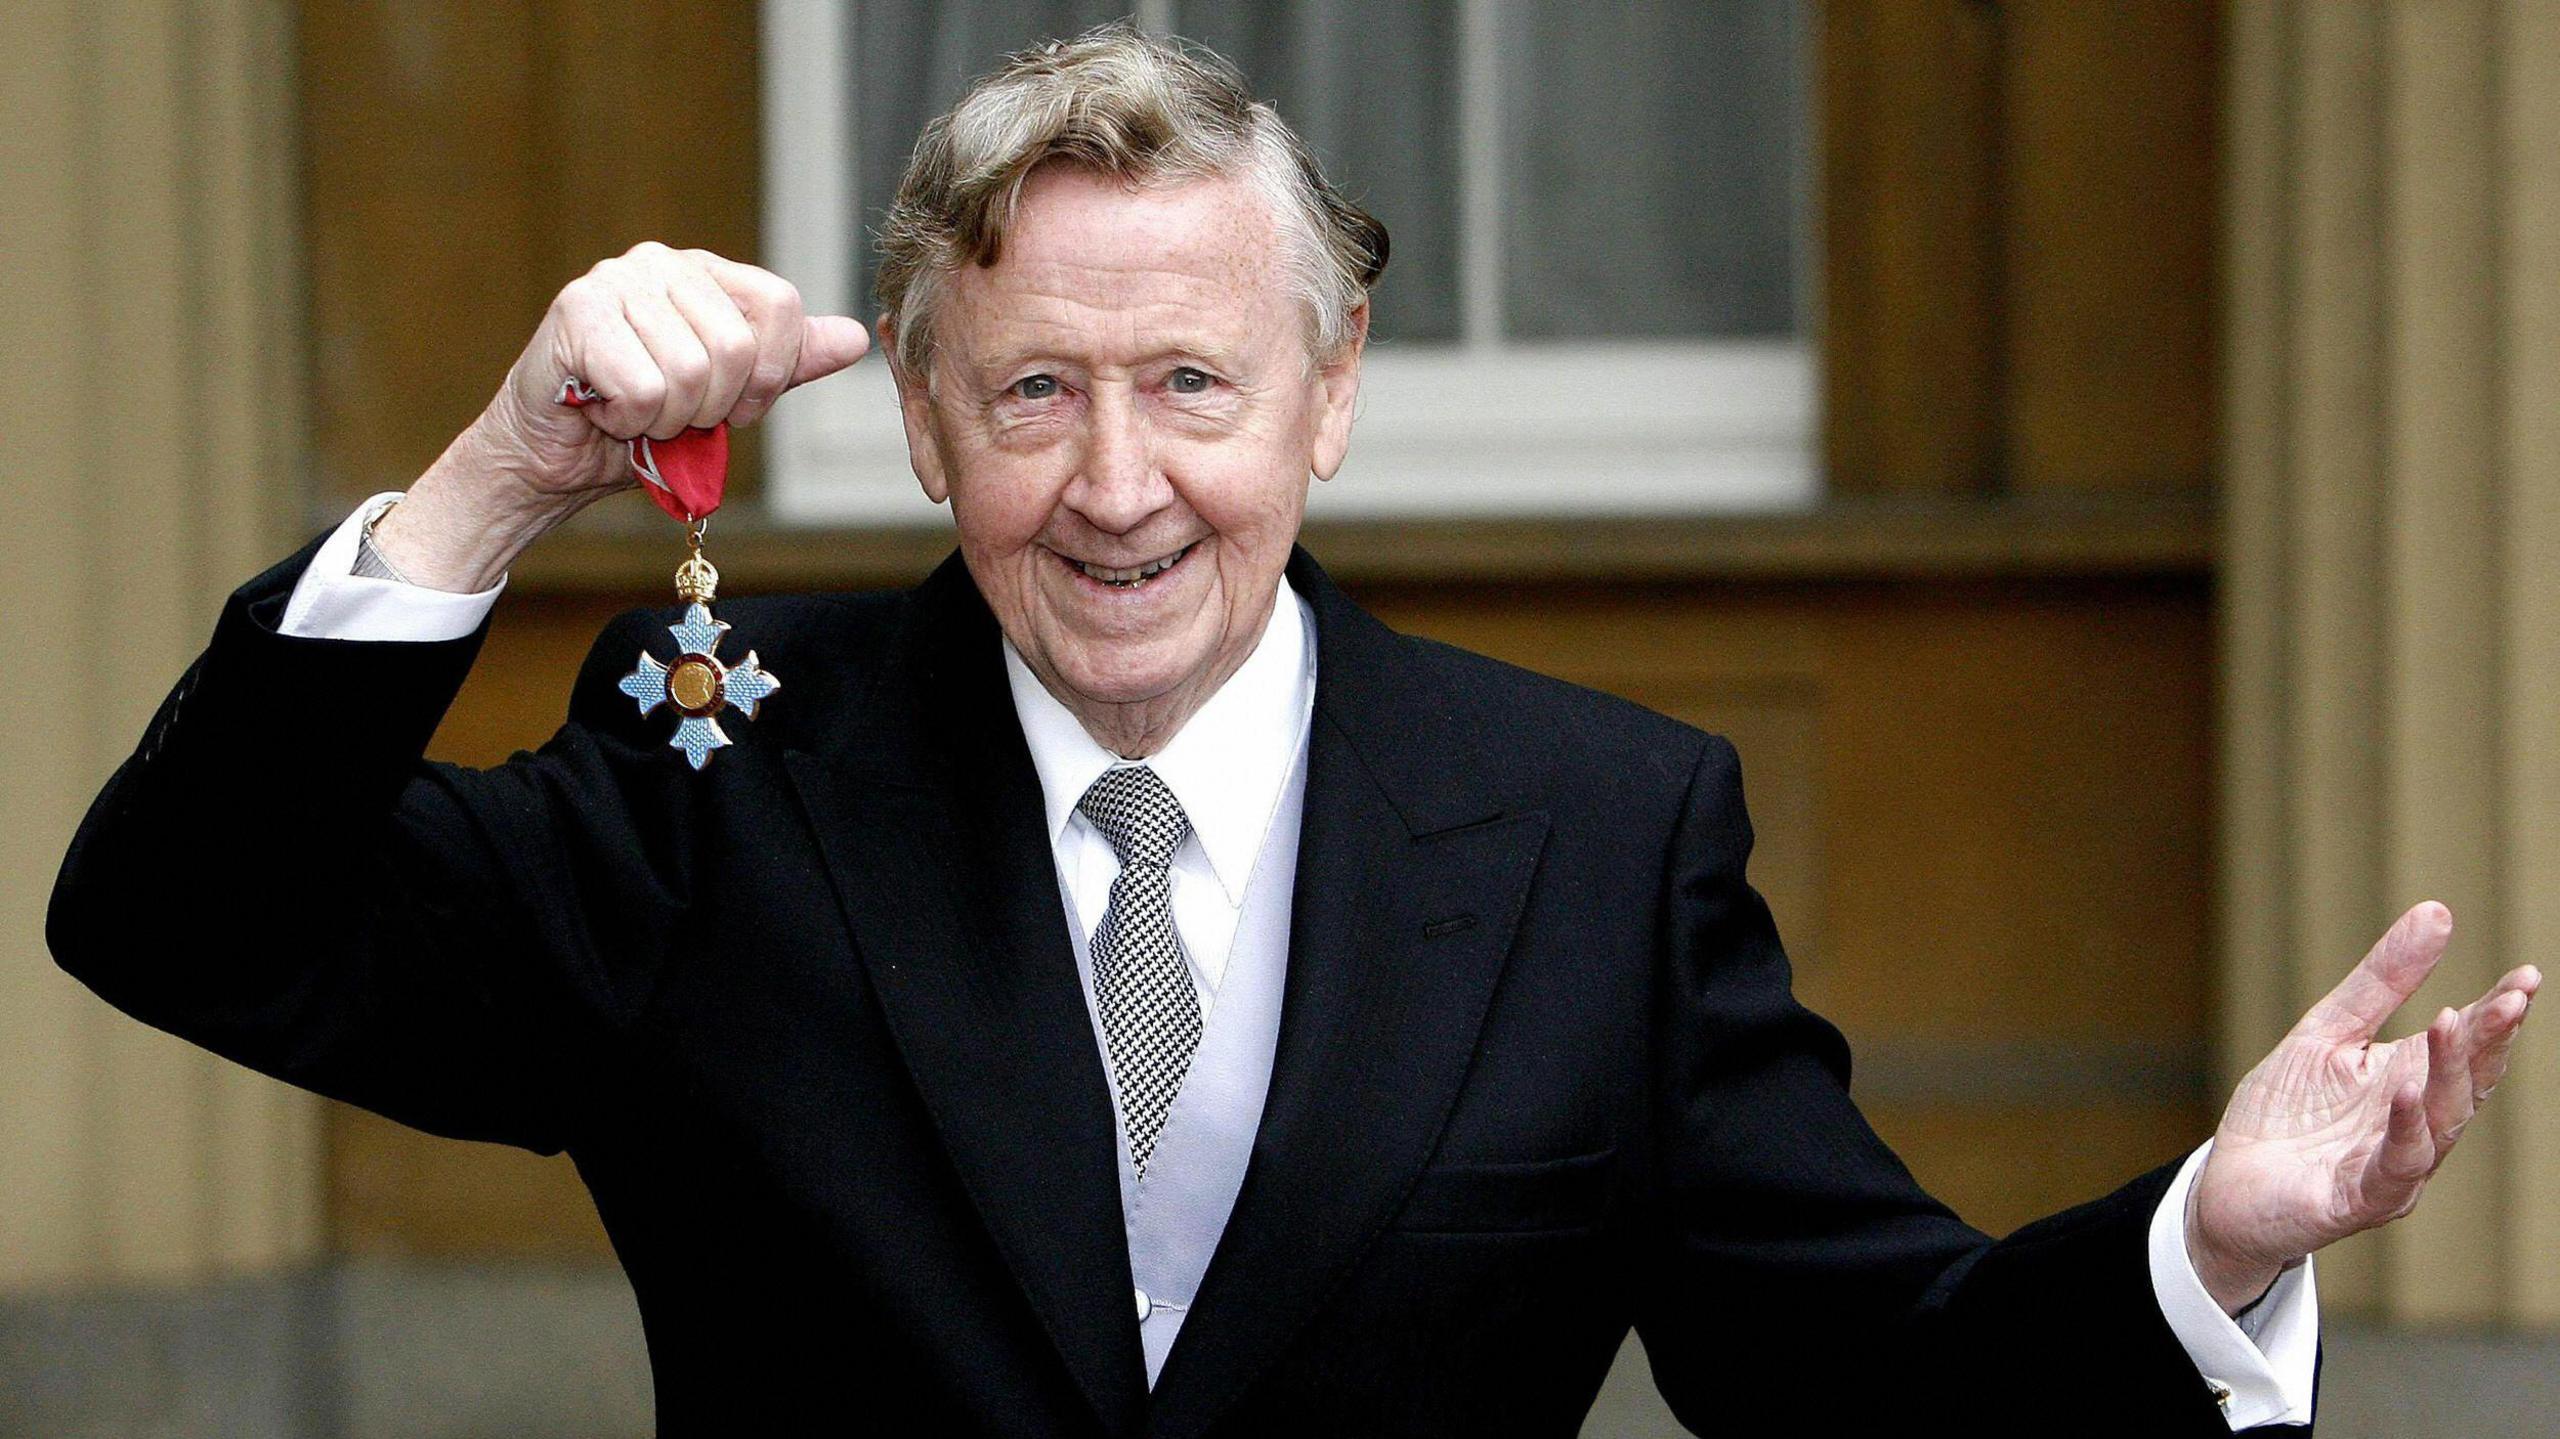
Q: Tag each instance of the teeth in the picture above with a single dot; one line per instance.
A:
(1131, 577)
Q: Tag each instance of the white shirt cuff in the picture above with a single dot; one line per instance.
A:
(332, 602)
(2267, 1357)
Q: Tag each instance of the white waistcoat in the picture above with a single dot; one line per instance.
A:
(1174, 1218)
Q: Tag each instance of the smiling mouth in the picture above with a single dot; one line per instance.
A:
(1131, 578)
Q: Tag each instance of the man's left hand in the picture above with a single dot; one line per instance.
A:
(2335, 1132)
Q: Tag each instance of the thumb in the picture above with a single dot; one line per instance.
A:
(828, 343)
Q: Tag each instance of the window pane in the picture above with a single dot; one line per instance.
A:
(1372, 90)
(1654, 156)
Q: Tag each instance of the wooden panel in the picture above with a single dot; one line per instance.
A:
(1910, 312)
(2018, 241)
(395, 1192)
(465, 159)
(2003, 1166)
(420, 124)
(2107, 237)
(2018, 817)
(656, 125)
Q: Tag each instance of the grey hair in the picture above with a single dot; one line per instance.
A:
(1118, 102)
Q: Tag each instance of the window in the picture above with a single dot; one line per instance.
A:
(1597, 293)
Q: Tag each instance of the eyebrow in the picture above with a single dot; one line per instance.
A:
(1221, 356)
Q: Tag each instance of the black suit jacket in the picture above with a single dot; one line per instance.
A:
(809, 1025)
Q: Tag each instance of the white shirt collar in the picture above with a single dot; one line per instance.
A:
(1225, 765)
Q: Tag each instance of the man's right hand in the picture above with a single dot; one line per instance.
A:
(672, 339)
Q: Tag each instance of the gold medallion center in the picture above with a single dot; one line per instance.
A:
(694, 684)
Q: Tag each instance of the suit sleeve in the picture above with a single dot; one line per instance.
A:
(278, 875)
(1797, 1279)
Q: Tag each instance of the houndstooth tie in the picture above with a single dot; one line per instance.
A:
(1150, 1013)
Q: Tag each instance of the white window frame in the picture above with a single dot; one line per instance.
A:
(1485, 427)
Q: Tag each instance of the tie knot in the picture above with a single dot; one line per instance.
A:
(1134, 810)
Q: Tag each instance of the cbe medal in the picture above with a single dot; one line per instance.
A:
(685, 476)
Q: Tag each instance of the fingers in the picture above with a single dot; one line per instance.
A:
(2467, 1053)
(2407, 1156)
(2448, 1094)
(2385, 978)
(2491, 1024)
(2385, 1185)
(683, 361)
(689, 339)
(727, 337)
(771, 306)
(598, 345)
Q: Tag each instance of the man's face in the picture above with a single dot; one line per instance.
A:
(1124, 418)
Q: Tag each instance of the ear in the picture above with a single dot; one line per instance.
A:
(915, 412)
(1340, 382)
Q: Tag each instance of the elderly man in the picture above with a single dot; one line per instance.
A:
(1120, 987)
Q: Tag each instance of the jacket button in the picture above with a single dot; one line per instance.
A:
(1146, 1306)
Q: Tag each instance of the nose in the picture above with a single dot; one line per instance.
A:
(1119, 485)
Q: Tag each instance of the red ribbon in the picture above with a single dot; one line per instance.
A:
(686, 475)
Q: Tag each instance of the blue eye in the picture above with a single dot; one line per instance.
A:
(1188, 381)
(1035, 387)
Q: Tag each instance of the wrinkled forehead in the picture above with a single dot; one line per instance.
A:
(1091, 256)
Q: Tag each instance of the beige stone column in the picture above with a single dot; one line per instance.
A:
(149, 455)
(2391, 563)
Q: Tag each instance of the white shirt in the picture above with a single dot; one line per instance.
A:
(1227, 767)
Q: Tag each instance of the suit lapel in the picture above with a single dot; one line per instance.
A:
(930, 819)
(1410, 881)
